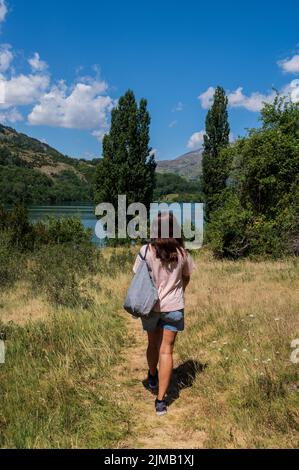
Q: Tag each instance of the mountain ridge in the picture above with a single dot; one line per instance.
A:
(188, 165)
(35, 172)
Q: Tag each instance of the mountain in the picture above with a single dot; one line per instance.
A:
(37, 173)
(188, 165)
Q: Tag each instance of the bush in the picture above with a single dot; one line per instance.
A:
(227, 232)
(57, 271)
(21, 231)
(235, 232)
(258, 213)
(63, 230)
(11, 262)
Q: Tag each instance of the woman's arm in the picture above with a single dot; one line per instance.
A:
(186, 280)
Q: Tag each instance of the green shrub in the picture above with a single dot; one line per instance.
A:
(21, 231)
(62, 230)
(235, 232)
(57, 270)
(226, 233)
(258, 213)
(11, 262)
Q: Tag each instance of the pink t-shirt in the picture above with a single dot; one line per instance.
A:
(168, 279)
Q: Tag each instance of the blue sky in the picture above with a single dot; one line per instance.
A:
(64, 64)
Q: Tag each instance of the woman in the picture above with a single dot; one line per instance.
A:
(171, 267)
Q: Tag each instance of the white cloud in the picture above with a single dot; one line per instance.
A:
(85, 105)
(37, 64)
(237, 99)
(12, 116)
(206, 98)
(173, 124)
(292, 90)
(254, 102)
(290, 65)
(100, 133)
(154, 153)
(6, 57)
(3, 10)
(178, 107)
(23, 89)
(81, 107)
(196, 140)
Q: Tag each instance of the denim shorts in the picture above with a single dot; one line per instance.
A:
(173, 321)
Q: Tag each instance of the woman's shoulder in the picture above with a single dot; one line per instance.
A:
(148, 248)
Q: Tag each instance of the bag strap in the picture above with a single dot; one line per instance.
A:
(144, 258)
(146, 251)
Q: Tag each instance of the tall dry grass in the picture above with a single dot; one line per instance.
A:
(58, 387)
(241, 319)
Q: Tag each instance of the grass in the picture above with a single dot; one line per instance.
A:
(57, 390)
(241, 319)
(58, 386)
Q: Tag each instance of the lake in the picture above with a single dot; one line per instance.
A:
(84, 211)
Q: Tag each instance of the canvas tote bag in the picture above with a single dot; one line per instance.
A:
(143, 294)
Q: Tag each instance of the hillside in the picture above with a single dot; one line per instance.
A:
(37, 173)
(188, 165)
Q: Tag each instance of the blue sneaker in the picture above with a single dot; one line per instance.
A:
(161, 407)
(152, 381)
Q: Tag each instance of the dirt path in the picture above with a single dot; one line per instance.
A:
(149, 431)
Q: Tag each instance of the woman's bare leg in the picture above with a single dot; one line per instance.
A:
(166, 361)
(154, 343)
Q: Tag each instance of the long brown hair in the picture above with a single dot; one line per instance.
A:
(167, 249)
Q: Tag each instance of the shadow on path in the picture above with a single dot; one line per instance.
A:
(183, 377)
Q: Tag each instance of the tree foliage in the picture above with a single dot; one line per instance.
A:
(259, 212)
(171, 183)
(216, 163)
(128, 165)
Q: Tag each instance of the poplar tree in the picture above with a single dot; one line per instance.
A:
(215, 167)
(128, 165)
